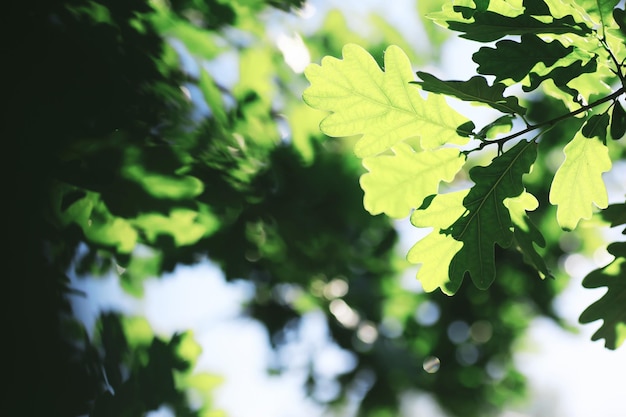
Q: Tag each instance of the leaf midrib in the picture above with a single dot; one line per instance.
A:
(491, 190)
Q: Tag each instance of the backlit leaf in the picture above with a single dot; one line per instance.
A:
(600, 11)
(486, 220)
(397, 183)
(578, 182)
(610, 308)
(435, 251)
(381, 106)
(185, 226)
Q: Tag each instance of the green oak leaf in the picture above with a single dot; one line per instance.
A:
(514, 60)
(578, 183)
(475, 90)
(618, 122)
(611, 307)
(600, 11)
(381, 106)
(486, 220)
(502, 124)
(435, 251)
(536, 8)
(397, 183)
(184, 225)
(490, 26)
(562, 76)
(596, 126)
(525, 234)
(615, 214)
(620, 18)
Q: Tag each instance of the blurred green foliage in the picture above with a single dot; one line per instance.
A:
(109, 151)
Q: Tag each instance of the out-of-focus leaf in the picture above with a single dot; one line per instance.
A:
(212, 96)
(184, 225)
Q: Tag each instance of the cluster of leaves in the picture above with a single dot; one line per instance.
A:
(412, 141)
(150, 163)
(143, 372)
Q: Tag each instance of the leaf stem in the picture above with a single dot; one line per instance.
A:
(551, 122)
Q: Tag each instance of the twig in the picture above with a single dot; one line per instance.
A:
(503, 140)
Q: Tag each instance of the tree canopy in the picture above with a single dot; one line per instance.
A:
(150, 134)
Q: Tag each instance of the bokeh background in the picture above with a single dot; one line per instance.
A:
(183, 199)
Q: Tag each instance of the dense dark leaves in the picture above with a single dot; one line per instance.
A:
(514, 60)
(475, 89)
(489, 26)
(618, 121)
(486, 220)
(612, 276)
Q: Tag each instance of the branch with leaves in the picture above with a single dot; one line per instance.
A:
(411, 140)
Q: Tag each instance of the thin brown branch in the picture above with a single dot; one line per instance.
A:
(551, 122)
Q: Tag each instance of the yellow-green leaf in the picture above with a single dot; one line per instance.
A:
(435, 251)
(397, 183)
(381, 106)
(578, 182)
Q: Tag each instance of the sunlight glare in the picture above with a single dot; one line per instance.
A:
(344, 313)
(294, 51)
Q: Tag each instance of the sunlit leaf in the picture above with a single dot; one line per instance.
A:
(476, 90)
(397, 183)
(620, 18)
(578, 182)
(435, 251)
(184, 225)
(196, 40)
(114, 232)
(600, 11)
(381, 106)
(610, 307)
(487, 220)
(212, 96)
